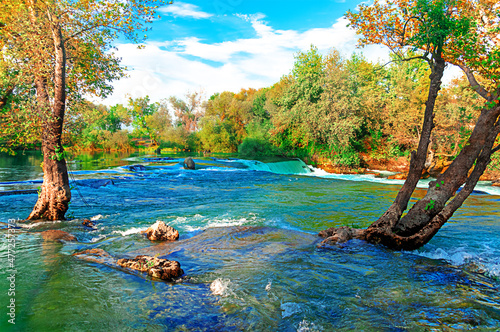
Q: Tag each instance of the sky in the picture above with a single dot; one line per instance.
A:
(226, 45)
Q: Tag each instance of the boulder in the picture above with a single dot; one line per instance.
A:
(155, 267)
(189, 163)
(88, 223)
(57, 235)
(161, 232)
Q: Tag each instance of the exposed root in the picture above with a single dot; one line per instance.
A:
(340, 235)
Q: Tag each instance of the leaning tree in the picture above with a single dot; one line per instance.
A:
(465, 33)
(58, 52)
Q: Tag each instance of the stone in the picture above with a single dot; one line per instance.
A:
(155, 267)
(57, 235)
(96, 255)
(136, 168)
(88, 223)
(161, 232)
(398, 176)
(93, 252)
(189, 163)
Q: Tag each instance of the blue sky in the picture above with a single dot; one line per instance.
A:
(218, 45)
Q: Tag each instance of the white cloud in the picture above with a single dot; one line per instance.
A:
(174, 67)
(181, 9)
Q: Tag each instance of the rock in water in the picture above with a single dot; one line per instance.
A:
(93, 252)
(155, 267)
(189, 163)
(135, 168)
(57, 235)
(88, 223)
(161, 232)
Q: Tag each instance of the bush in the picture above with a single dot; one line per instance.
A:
(255, 147)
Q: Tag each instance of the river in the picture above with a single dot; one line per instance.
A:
(248, 247)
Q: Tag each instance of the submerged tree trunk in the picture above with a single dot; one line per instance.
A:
(429, 214)
(55, 193)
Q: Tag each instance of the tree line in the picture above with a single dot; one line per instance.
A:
(342, 109)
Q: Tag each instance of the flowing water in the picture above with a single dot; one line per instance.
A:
(248, 247)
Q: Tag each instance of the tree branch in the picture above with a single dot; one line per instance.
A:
(475, 84)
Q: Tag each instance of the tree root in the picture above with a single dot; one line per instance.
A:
(341, 235)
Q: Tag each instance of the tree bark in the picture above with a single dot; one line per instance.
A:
(55, 193)
(389, 219)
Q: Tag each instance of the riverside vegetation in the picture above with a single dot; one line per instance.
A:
(347, 112)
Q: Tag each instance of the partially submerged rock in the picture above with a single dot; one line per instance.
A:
(96, 255)
(88, 223)
(155, 267)
(189, 163)
(57, 235)
(398, 176)
(161, 232)
(136, 168)
(93, 252)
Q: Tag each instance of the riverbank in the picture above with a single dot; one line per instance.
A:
(399, 166)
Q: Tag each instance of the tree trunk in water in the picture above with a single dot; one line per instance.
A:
(430, 213)
(55, 193)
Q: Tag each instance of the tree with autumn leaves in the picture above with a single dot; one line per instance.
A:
(464, 33)
(53, 52)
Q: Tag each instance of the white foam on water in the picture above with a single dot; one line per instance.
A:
(133, 230)
(484, 258)
(98, 217)
(220, 287)
(99, 238)
(221, 169)
(306, 326)
(224, 222)
(36, 224)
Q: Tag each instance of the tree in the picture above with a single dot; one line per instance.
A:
(140, 110)
(61, 49)
(461, 32)
(188, 113)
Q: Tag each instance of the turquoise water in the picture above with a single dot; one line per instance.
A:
(248, 249)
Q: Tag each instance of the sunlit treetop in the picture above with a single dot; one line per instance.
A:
(88, 29)
(463, 32)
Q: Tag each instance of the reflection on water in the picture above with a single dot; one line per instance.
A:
(248, 249)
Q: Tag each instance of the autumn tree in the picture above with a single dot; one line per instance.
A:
(61, 49)
(460, 32)
(189, 111)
